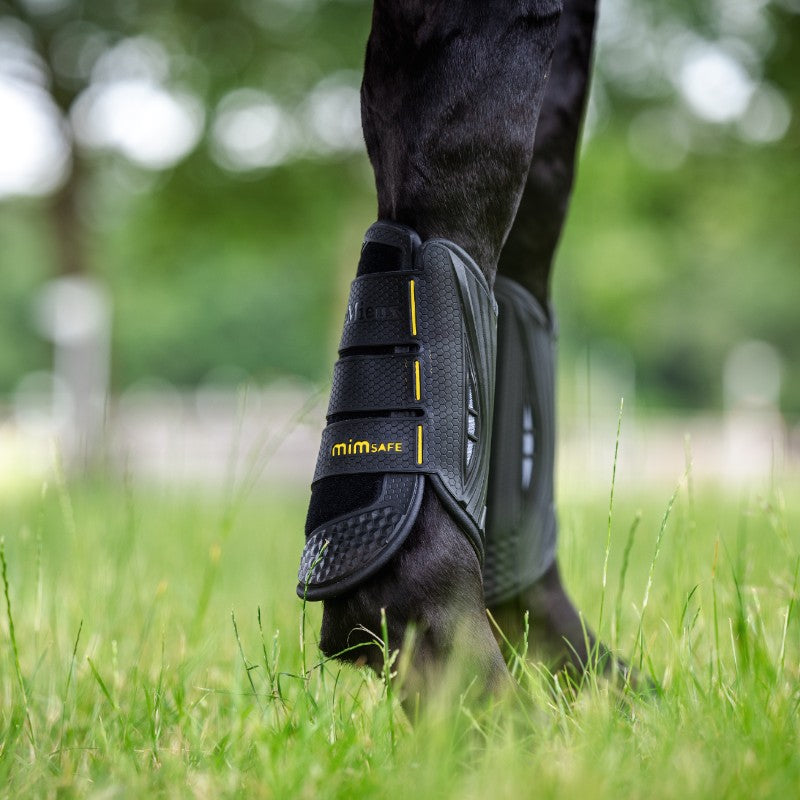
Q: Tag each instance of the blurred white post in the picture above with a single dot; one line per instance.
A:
(755, 429)
(75, 314)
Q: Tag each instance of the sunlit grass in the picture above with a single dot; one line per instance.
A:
(159, 650)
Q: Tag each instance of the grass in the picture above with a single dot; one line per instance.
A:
(151, 645)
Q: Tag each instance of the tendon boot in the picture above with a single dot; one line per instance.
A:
(521, 523)
(411, 404)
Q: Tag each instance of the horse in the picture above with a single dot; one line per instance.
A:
(472, 112)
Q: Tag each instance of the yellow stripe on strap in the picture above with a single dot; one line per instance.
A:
(413, 309)
(419, 444)
(417, 382)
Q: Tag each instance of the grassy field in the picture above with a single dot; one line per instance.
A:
(153, 647)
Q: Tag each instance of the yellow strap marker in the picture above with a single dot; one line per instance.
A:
(413, 309)
(417, 382)
(419, 444)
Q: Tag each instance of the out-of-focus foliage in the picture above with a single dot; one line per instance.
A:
(234, 247)
(683, 237)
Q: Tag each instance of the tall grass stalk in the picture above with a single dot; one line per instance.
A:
(786, 619)
(623, 572)
(650, 573)
(607, 552)
(248, 668)
(12, 635)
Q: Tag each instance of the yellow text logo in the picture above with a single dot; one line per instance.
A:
(365, 447)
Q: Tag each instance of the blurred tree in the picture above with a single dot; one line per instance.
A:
(279, 80)
(92, 56)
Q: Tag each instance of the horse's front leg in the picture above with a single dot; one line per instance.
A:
(450, 97)
(521, 573)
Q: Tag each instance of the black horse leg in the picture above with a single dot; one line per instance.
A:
(450, 98)
(528, 253)
(555, 625)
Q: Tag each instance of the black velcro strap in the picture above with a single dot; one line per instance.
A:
(373, 444)
(386, 382)
(381, 310)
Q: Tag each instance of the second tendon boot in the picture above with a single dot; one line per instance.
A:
(520, 573)
(521, 521)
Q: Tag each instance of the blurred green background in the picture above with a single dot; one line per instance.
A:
(205, 161)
